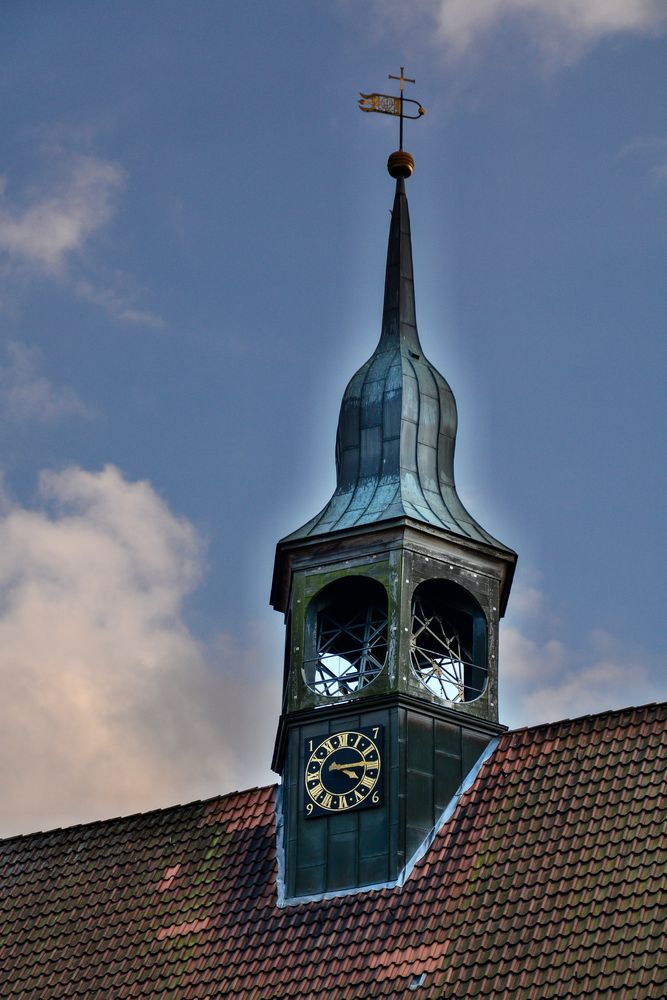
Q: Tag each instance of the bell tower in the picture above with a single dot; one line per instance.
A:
(392, 596)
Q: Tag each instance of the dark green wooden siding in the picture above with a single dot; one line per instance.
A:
(425, 761)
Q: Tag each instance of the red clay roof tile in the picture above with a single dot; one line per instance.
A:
(546, 881)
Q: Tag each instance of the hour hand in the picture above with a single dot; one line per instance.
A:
(347, 768)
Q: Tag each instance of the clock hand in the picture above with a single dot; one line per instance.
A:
(345, 767)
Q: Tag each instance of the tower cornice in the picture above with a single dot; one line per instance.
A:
(295, 552)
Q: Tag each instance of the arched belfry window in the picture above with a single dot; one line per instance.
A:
(448, 645)
(346, 636)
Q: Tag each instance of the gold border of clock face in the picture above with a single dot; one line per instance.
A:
(342, 771)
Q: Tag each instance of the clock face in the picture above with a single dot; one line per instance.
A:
(342, 771)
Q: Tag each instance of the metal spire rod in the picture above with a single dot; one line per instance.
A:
(402, 79)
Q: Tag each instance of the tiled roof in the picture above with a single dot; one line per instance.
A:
(547, 881)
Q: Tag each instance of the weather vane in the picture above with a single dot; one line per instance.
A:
(400, 163)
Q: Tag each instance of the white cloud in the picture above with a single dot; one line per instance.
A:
(110, 704)
(27, 395)
(50, 231)
(62, 217)
(542, 679)
(118, 303)
(559, 29)
(653, 151)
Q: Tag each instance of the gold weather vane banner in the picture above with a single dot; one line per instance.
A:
(384, 104)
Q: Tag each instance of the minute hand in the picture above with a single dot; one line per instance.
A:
(346, 767)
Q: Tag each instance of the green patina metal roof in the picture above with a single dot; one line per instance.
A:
(397, 424)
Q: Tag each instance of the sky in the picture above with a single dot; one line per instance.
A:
(193, 226)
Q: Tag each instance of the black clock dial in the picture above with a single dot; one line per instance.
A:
(343, 771)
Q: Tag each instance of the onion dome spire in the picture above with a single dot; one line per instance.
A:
(397, 426)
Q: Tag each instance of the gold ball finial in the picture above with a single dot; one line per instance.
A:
(400, 164)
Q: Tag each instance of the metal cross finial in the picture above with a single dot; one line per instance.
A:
(402, 79)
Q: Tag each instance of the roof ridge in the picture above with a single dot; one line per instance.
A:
(580, 718)
(126, 817)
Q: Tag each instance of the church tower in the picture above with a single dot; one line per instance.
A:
(392, 596)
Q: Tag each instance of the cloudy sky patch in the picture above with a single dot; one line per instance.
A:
(561, 30)
(110, 703)
(27, 396)
(44, 228)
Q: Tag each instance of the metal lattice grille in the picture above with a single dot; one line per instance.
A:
(351, 650)
(439, 659)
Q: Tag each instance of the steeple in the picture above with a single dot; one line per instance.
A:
(392, 596)
(398, 420)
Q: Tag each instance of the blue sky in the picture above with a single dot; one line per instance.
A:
(193, 224)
